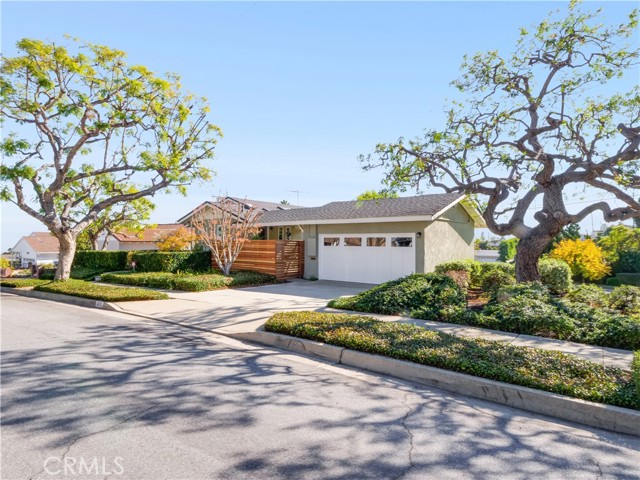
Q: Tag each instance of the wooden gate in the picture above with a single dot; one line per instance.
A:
(282, 258)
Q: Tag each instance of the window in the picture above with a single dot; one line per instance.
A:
(376, 241)
(287, 233)
(331, 241)
(280, 233)
(401, 241)
(352, 241)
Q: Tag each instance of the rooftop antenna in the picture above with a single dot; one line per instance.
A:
(297, 192)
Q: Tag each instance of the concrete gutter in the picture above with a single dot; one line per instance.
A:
(615, 419)
(58, 297)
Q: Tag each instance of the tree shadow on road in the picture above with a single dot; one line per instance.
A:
(262, 415)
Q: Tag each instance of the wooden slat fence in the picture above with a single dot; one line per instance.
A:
(282, 258)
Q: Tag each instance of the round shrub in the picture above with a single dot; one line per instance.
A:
(556, 275)
(421, 295)
(532, 316)
(494, 280)
(613, 282)
(625, 298)
(589, 294)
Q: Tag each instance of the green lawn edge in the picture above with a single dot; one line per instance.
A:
(82, 289)
(550, 371)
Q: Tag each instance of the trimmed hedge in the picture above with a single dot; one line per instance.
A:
(635, 371)
(420, 295)
(103, 261)
(629, 278)
(189, 283)
(172, 261)
(529, 367)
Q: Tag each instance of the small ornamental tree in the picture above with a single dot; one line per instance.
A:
(225, 226)
(507, 249)
(535, 126)
(584, 258)
(85, 132)
(177, 240)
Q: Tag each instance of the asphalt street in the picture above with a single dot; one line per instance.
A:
(95, 394)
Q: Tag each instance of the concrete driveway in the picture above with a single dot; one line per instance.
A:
(242, 309)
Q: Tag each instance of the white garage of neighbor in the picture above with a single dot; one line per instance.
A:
(373, 241)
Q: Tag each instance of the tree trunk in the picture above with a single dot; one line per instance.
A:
(528, 252)
(94, 241)
(65, 259)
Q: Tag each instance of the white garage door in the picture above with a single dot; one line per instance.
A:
(366, 258)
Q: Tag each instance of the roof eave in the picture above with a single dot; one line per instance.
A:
(406, 218)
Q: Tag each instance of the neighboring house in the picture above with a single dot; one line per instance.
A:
(36, 249)
(487, 256)
(247, 204)
(145, 240)
(374, 241)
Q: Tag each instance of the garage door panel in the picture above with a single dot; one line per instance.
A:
(375, 260)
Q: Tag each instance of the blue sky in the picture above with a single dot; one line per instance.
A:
(299, 89)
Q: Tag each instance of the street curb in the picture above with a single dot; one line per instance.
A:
(608, 417)
(58, 297)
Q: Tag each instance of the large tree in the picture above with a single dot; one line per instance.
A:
(88, 132)
(536, 126)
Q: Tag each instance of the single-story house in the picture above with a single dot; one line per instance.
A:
(487, 256)
(373, 241)
(39, 248)
(145, 240)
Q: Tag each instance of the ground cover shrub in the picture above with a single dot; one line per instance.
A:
(188, 282)
(80, 288)
(47, 273)
(21, 282)
(556, 275)
(420, 295)
(589, 294)
(104, 261)
(625, 298)
(545, 370)
(192, 261)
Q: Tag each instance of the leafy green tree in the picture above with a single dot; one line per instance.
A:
(87, 133)
(507, 249)
(375, 195)
(130, 216)
(617, 239)
(529, 126)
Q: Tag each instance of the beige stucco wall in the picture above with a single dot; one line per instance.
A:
(448, 238)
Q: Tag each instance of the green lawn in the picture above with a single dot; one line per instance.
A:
(541, 369)
(80, 288)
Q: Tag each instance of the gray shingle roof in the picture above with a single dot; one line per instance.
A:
(421, 205)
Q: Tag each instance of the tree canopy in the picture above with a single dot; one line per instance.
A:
(376, 194)
(87, 132)
(532, 127)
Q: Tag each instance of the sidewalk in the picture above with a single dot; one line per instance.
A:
(240, 311)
